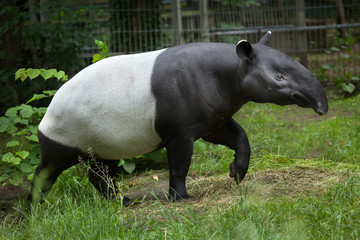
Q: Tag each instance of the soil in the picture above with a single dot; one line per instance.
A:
(10, 197)
(286, 182)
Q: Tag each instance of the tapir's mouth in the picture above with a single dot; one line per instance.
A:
(303, 101)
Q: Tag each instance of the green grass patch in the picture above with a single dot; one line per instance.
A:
(303, 183)
(332, 215)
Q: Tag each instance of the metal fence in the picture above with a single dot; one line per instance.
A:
(318, 32)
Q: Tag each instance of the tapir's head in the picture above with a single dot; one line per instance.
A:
(273, 76)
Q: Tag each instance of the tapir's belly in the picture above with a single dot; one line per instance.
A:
(107, 108)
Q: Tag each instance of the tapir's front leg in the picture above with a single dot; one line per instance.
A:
(179, 151)
(233, 136)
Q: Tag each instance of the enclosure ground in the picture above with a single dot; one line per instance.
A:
(303, 178)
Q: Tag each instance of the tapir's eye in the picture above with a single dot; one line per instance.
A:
(280, 77)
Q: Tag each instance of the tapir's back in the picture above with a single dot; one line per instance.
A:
(108, 106)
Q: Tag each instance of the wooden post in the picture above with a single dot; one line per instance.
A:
(204, 21)
(177, 22)
(300, 22)
(341, 17)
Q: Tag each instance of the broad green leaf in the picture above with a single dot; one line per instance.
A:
(4, 177)
(65, 78)
(33, 138)
(121, 162)
(105, 49)
(30, 177)
(21, 121)
(4, 124)
(6, 157)
(97, 57)
(348, 87)
(26, 111)
(46, 74)
(23, 154)
(36, 97)
(32, 73)
(156, 156)
(24, 131)
(10, 158)
(34, 161)
(11, 129)
(21, 73)
(63, 75)
(129, 165)
(346, 56)
(59, 74)
(33, 129)
(11, 113)
(325, 66)
(99, 43)
(16, 178)
(52, 71)
(13, 143)
(24, 167)
(35, 153)
(50, 92)
(355, 78)
(40, 110)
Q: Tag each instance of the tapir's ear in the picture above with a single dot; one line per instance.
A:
(244, 50)
(265, 39)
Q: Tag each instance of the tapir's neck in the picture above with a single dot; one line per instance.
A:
(230, 71)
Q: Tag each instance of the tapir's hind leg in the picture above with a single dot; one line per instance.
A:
(55, 158)
(233, 136)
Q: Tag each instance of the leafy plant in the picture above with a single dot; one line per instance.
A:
(104, 51)
(21, 123)
(348, 81)
(46, 41)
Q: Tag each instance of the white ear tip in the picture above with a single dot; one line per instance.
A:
(269, 32)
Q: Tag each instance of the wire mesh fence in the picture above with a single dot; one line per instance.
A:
(318, 32)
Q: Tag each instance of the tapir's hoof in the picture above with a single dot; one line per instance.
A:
(233, 173)
(127, 201)
(179, 198)
(189, 199)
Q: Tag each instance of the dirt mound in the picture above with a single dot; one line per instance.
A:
(285, 182)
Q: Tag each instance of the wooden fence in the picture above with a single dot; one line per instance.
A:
(304, 29)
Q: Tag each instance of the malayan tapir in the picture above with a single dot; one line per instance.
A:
(130, 105)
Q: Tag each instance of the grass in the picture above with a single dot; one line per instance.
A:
(303, 183)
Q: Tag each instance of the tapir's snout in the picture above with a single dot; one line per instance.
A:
(314, 98)
(321, 107)
(318, 99)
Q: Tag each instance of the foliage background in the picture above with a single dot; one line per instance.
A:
(60, 34)
(47, 36)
